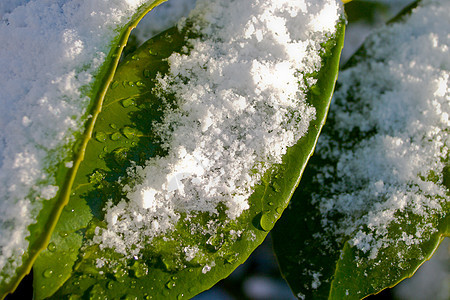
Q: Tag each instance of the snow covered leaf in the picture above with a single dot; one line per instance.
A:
(373, 203)
(55, 68)
(201, 140)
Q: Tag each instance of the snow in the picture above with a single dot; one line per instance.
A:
(50, 53)
(396, 102)
(240, 104)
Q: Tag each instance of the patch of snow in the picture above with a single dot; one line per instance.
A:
(50, 53)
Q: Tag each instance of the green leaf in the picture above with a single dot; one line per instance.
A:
(316, 251)
(123, 137)
(41, 230)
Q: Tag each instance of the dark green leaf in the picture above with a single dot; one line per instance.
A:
(318, 260)
(122, 136)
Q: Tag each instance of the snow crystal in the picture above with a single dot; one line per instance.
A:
(51, 51)
(240, 105)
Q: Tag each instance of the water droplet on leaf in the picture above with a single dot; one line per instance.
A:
(266, 222)
(110, 285)
(114, 84)
(128, 102)
(100, 136)
(276, 187)
(140, 269)
(116, 136)
(47, 273)
(51, 247)
(170, 284)
(129, 132)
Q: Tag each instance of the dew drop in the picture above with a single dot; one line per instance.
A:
(110, 285)
(266, 222)
(153, 53)
(115, 136)
(63, 234)
(100, 136)
(51, 247)
(180, 296)
(279, 210)
(139, 83)
(135, 57)
(140, 269)
(47, 273)
(231, 258)
(129, 132)
(114, 84)
(128, 102)
(276, 187)
(170, 284)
